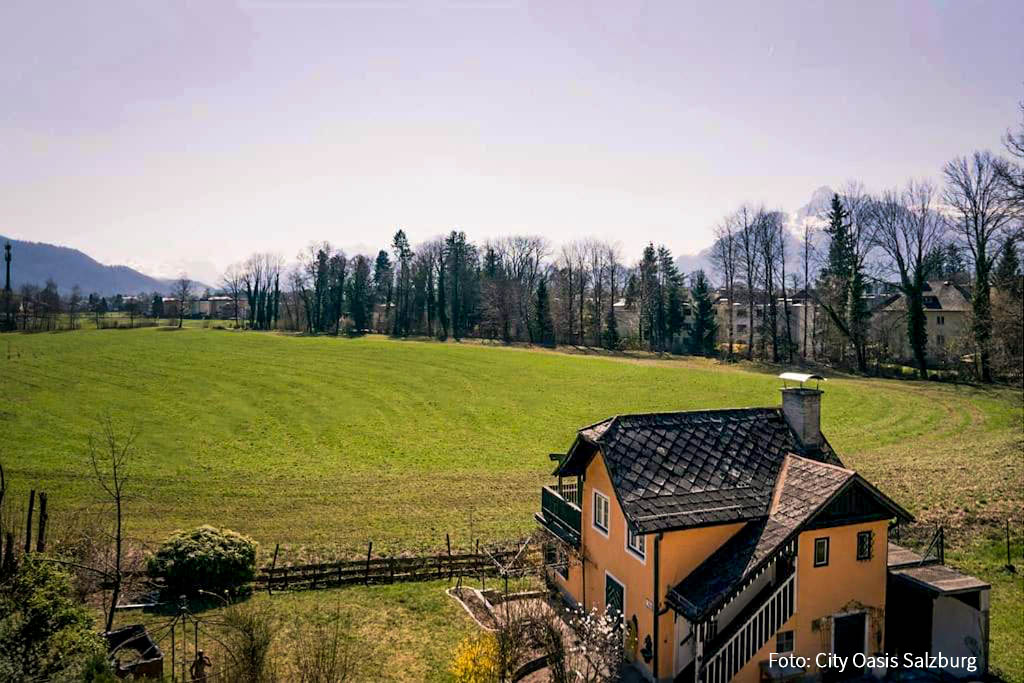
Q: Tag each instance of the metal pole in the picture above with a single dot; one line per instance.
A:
(174, 653)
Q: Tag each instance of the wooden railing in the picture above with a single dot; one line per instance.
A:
(560, 517)
(758, 629)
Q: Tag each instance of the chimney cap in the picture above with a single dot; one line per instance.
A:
(800, 377)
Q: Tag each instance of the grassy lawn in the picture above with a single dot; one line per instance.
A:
(405, 632)
(322, 443)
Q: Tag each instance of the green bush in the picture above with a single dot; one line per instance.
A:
(45, 634)
(207, 558)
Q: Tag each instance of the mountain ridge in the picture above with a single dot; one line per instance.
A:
(36, 262)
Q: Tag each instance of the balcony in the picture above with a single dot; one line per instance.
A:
(559, 516)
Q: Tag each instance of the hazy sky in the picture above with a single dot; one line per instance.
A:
(190, 134)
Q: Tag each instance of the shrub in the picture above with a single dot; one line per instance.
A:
(476, 660)
(44, 634)
(331, 652)
(217, 560)
(250, 630)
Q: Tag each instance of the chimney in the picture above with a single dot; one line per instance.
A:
(801, 407)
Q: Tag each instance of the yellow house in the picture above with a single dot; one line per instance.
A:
(721, 537)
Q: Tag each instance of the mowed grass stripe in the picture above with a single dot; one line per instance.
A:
(328, 440)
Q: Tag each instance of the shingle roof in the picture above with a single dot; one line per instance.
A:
(939, 295)
(804, 486)
(677, 470)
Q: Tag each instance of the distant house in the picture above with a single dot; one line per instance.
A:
(947, 312)
(720, 537)
(215, 307)
(171, 306)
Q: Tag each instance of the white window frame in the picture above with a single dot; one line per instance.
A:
(639, 554)
(606, 529)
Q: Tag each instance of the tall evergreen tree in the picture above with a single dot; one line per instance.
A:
(705, 328)
(360, 295)
(843, 282)
(840, 248)
(648, 296)
(545, 322)
(383, 280)
(403, 280)
(1007, 272)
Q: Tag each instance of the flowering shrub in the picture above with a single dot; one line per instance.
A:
(476, 660)
(212, 559)
(596, 656)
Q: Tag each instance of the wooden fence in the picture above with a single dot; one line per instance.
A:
(385, 570)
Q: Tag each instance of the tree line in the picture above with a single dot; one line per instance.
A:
(521, 288)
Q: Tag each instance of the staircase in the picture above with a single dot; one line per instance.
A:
(740, 643)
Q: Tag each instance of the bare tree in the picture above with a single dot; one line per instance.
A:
(232, 283)
(1012, 172)
(748, 239)
(906, 228)
(110, 455)
(807, 248)
(182, 291)
(725, 255)
(74, 306)
(982, 207)
(260, 276)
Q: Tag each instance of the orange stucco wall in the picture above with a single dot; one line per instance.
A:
(608, 554)
(845, 585)
(681, 552)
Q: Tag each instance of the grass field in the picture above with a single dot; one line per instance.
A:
(324, 443)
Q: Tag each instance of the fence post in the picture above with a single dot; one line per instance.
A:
(339, 572)
(270, 576)
(366, 577)
(43, 517)
(391, 566)
(28, 525)
(451, 569)
(1009, 564)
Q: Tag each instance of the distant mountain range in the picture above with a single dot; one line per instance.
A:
(35, 262)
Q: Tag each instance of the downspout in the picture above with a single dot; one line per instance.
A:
(657, 601)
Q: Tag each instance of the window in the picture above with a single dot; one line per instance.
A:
(601, 512)
(940, 340)
(940, 320)
(865, 545)
(636, 543)
(821, 552)
(784, 642)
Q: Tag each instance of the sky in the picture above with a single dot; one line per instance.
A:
(187, 135)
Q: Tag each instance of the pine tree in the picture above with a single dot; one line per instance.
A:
(1007, 273)
(840, 249)
(360, 295)
(648, 296)
(705, 328)
(545, 323)
(382, 281)
(954, 263)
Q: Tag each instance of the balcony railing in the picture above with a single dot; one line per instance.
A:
(744, 642)
(559, 516)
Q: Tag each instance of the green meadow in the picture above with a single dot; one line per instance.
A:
(322, 444)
